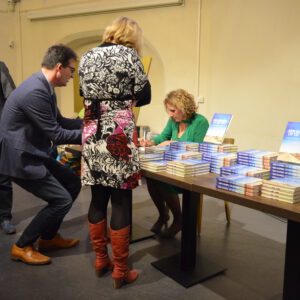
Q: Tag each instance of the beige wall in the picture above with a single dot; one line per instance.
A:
(165, 30)
(245, 61)
(250, 66)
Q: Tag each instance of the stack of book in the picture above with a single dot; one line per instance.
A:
(282, 189)
(257, 158)
(154, 166)
(181, 154)
(249, 186)
(189, 146)
(187, 167)
(151, 156)
(157, 149)
(230, 148)
(245, 170)
(208, 147)
(284, 169)
(219, 159)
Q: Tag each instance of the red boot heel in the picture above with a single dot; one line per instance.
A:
(129, 277)
(121, 274)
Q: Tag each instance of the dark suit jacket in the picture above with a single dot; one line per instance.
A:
(30, 121)
(6, 84)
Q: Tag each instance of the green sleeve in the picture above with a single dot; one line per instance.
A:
(200, 130)
(165, 135)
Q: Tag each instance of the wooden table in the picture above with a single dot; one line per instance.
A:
(206, 184)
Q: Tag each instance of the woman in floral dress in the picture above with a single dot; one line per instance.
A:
(112, 82)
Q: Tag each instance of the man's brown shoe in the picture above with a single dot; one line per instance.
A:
(58, 242)
(29, 255)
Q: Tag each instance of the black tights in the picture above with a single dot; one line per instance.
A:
(120, 203)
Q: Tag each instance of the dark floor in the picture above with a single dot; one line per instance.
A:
(252, 248)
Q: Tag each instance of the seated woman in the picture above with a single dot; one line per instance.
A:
(184, 125)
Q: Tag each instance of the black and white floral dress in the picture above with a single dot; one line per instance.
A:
(111, 79)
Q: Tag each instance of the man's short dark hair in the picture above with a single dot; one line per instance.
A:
(58, 54)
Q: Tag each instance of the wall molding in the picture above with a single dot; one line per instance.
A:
(99, 8)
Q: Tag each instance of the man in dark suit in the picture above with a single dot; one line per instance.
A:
(6, 87)
(30, 122)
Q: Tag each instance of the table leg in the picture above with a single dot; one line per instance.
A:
(291, 288)
(187, 268)
(190, 202)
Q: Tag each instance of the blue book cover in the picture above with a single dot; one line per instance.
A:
(291, 181)
(239, 180)
(291, 138)
(217, 128)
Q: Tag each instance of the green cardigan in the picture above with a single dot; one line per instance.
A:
(195, 131)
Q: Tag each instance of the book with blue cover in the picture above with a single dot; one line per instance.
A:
(157, 149)
(154, 166)
(245, 170)
(181, 154)
(256, 158)
(286, 182)
(242, 184)
(217, 128)
(151, 156)
(188, 146)
(187, 167)
(219, 159)
(208, 147)
(282, 189)
(284, 169)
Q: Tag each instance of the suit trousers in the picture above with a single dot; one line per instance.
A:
(5, 197)
(59, 188)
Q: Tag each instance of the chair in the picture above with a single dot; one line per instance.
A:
(226, 203)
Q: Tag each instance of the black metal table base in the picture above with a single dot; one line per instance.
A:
(203, 270)
(291, 287)
(139, 234)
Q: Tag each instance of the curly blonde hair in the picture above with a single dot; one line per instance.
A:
(124, 31)
(183, 101)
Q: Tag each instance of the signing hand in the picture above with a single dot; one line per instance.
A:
(146, 143)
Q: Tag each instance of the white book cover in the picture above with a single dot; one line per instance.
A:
(291, 138)
(217, 128)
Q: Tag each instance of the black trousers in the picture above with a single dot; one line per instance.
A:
(59, 188)
(5, 197)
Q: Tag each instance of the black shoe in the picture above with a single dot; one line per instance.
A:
(7, 227)
(161, 221)
(171, 231)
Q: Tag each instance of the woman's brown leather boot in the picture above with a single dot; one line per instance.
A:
(98, 236)
(119, 240)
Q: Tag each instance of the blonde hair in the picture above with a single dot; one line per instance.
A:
(183, 101)
(124, 31)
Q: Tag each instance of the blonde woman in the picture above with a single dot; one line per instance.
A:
(184, 125)
(112, 81)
